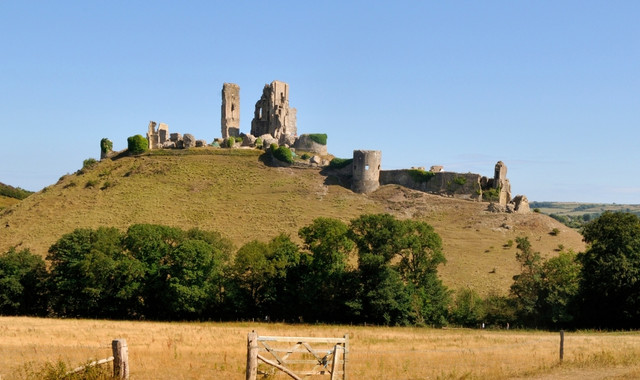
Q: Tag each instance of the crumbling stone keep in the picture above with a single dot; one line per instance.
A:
(366, 170)
(501, 182)
(157, 137)
(230, 110)
(272, 114)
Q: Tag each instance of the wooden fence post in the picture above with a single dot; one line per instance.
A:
(344, 356)
(120, 359)
(252, 355)
(561, 345)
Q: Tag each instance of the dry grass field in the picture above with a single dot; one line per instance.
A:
(218, 350)
(6, 202)
(233, 192)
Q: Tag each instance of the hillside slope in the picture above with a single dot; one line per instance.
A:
(235, 193)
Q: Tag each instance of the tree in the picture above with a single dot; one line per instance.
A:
(527, 285)
(326, 279)
(610, 286)
(23, 278)
(137, 144)
(467, 309)
(191, 277)
(261, 284)
(91, 276)
(397, 267)
(560, 285)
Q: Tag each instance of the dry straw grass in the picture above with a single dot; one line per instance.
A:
(218, 350)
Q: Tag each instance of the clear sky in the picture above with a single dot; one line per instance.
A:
(552, 88)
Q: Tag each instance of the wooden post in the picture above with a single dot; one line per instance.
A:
(344, 357)
(561, 345)
(334, 363)
(252, 356)
(120, 359)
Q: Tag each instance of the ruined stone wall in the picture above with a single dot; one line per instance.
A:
(458, 185)
(272, 113)
(366, 170)
(157, 137)
(230, 115)
(501, 182)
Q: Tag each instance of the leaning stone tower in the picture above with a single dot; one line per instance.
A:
(501, 182)
(366, 170)
(230, 110)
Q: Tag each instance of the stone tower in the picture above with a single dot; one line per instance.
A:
(272, 114)
(501, 182)
(366, 170)
(157, 137)
(230, 115)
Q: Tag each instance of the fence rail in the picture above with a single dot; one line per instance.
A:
(332, 361)
(120, 360)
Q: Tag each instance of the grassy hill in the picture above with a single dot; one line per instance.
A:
(234, 192)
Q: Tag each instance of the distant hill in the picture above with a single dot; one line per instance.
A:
(234, 192)
(10, 195)
(574, 214)
(13, 192)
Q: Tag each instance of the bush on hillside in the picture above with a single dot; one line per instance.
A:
(137, 144)
(282, 153)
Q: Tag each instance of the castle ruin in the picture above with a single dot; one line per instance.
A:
(230, 114)
(272, 114)
(366, 170)
(157, 137)
(501, 183)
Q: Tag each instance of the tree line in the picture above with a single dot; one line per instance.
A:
(375, 269)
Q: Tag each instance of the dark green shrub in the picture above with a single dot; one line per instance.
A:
(106, 185)
(91, 183)
(491, 195)
(320, 138)
(106, 145)
(282, 153)
(137, 144)
(460, 180)
(339, 163)
(228, 143)
(420, 175)
(89, 163)
(305, 156)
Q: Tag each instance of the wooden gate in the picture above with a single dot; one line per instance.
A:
(296, 357)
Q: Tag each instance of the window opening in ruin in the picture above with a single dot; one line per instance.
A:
(366, 167)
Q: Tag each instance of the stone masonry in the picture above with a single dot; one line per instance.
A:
(501, 182)
(157, 137)
(366, 170)
(272, 113)
(230, 110)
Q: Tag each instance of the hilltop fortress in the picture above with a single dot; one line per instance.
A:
(274, 122)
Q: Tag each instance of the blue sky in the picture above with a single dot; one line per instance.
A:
(552, 88)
